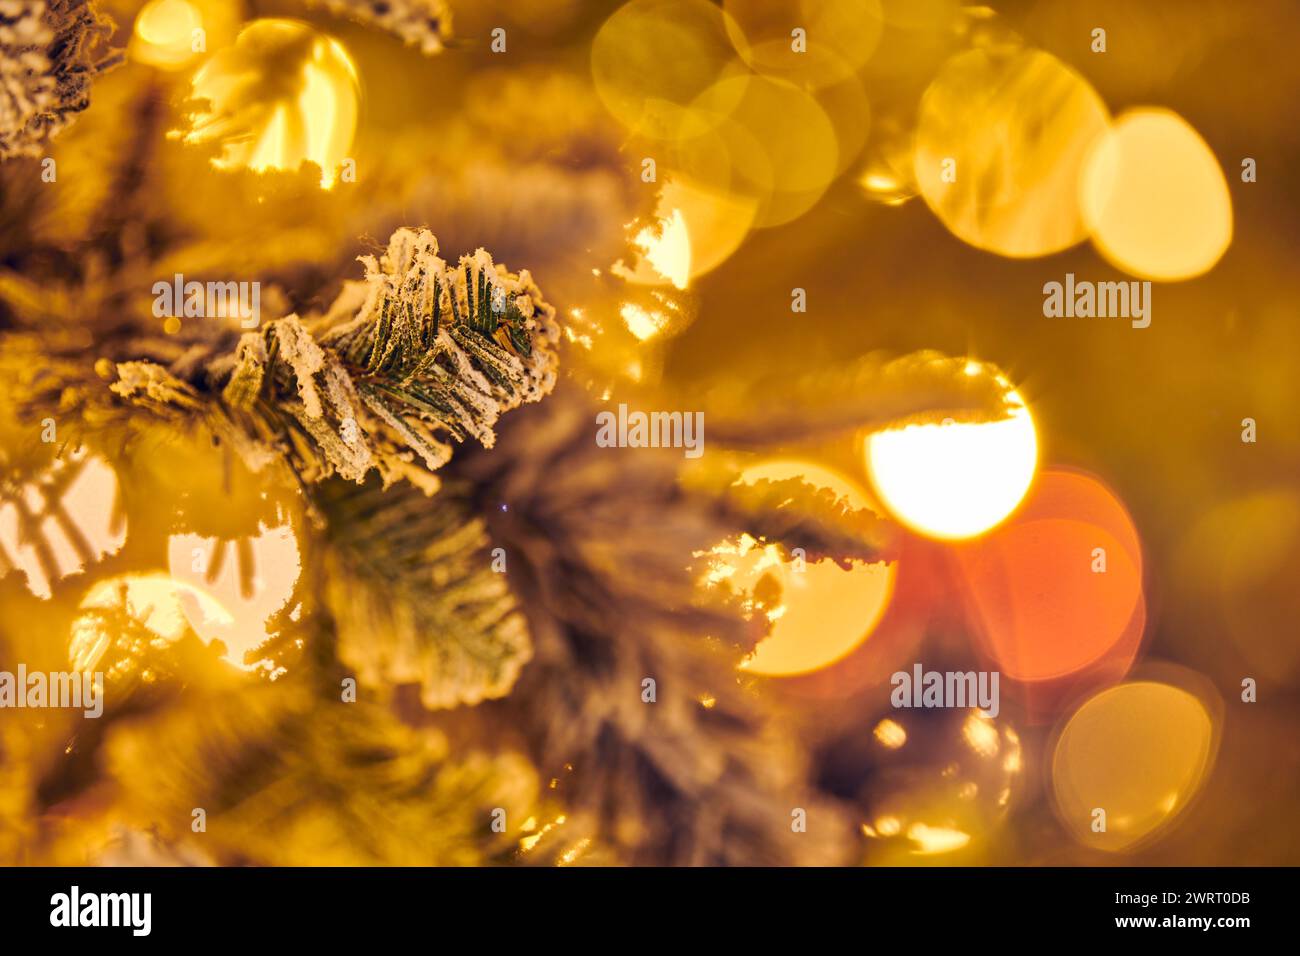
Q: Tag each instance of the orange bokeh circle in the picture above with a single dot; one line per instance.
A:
(1057, 591)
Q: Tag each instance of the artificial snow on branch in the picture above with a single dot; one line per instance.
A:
(415, 357)
(49, 51)
(423, 24)
(874, 391)
(286, 776)
(599, 547)
(794, 512)
(416, 595)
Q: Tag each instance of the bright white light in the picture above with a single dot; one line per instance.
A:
(955, 480)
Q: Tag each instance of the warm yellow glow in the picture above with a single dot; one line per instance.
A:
(651, 58)
(1139, 752)
(955, 480)
(284, 94)
(74, 508)
(887, 174)
(820, 613)
(931, 840)
(1000, 146)
(645, 324)
(670, 251)
(165, 34)
(716, 221)
(783, 147)
(666, 250)
(839, 36)
(269, 557)
(878, 182)
(528, 843)
(890, 734)
(156, 601)
(574, 852)
(650, 313)
(981, 735)
(888, 826)
(887, 188)
(270, 151)
(1154, 198)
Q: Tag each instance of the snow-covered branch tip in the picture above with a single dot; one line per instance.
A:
(416, 356)
(422, 24)
(49, 51)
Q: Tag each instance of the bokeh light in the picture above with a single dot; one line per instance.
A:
(1045, 611)
(1000, 146)
(838, 37)
(153, 600)
(284, 94)
(955, 480)
(1138, 752)
(886, 174)
(665, 252)
(165, 34)
(250, 579)
(1250, 583)
(1080, 496)
(818, 614)
(793, 134)
(1058, 588)
(61, 521)
(1154, 197)
(929, 783)
(652, 58)
(846, 105)
(716, 221)
(651, 314)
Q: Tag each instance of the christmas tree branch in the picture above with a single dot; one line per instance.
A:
(416, 596)
(49, 51)
(795, 513)
(599, 548)
(415, 357)
(423, 24)
(285, 777)
(872, 392)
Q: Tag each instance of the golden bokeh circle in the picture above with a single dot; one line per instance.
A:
(820, 612)
(1137, 752)
(1154, 198)
(1001, 141)
(165, 32)
(716, 221)
(652, 58)
(847, 107)
(955, 480)
(837, 38)
(797, 150)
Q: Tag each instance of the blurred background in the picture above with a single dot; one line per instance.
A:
(775, 170)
